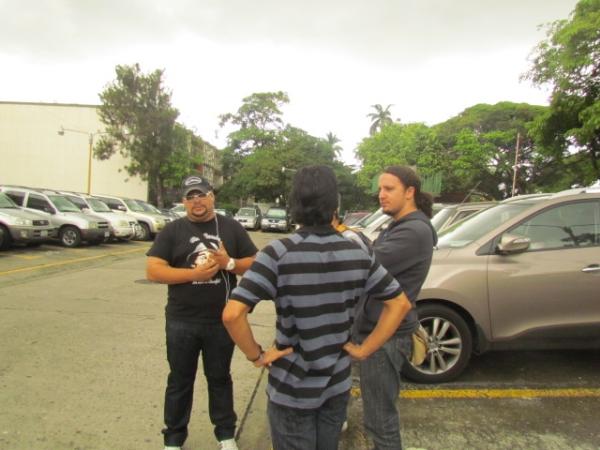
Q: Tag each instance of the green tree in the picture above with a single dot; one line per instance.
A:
(257, 123)
(141, 124)
(569, 61)
(478, 148)
(411, 144)
(380, 118)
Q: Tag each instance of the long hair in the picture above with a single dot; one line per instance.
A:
(314, 196)
(408, 177)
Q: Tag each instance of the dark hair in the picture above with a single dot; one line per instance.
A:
(314, 196)
(408, 177)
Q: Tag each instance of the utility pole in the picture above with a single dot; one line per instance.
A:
(516, 166)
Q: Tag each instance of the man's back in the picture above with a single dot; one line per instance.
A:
(315, 278)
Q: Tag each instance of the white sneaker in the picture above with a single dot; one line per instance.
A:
(228, 444)
(172, 447)
(344, 426)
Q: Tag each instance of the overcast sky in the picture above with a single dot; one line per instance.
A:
(430, 59)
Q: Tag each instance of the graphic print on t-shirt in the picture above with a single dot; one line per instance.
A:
(200, 253)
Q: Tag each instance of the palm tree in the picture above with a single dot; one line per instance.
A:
(333, 141)
(380, 118)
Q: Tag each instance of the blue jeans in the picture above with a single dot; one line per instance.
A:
(185, 342)
(308, 429)
(380, 387)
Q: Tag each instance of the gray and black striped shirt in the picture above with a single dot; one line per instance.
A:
(315, 277)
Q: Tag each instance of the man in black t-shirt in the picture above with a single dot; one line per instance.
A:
(199, 256)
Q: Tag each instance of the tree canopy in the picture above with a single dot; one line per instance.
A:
(141, 124)
(569, 61)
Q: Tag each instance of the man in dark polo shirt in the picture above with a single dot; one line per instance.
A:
(198, 256)
(315, 278)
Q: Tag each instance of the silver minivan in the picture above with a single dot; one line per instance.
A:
(523, 274)
(122, 226)
(73, 225)
(19, 225)
(150, 223)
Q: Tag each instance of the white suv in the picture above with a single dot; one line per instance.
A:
(151, 224)
(73, 225)
(122, 226)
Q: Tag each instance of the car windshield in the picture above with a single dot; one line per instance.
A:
(98, 205)
(134, 206)
(277, 213)
(442, 216)
(6, 202)
(63, 204)
(475, 226)
(246, 212)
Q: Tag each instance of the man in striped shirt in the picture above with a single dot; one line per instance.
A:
(315, 278)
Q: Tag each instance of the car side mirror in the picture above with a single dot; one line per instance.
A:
(49, 210)
(510, 243)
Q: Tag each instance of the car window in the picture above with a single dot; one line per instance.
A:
(364, 223)
(277, 213)
(80, 203)
(134, 206)
(63, 204)
(6, 201)
(246, 212)
(564, 226)
(441, 217)
(463, 233)
(38, 202)
(98, 205)
(16, 197)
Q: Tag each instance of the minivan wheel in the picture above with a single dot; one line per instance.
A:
(450, 345)
(70, 236)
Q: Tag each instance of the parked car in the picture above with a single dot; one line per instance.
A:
(179, 210)
(250, 217)
(276, 218)
(223, 212)
(351, 218)
(523, 274)
(450, 214)
(73, 225)
(19, 225)
(378, 221)
(149, 207)
(122, 226)
(150, 223)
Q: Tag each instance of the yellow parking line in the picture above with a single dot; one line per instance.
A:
(69, 261)
(494, 393)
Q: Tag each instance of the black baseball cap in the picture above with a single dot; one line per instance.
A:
(196, 183)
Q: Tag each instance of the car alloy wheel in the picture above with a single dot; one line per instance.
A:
(450, 344)
(70, 236)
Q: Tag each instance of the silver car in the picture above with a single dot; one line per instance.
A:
(19, 225)
(122, 226)
(523, 274)
(150, 223)
(73, 225)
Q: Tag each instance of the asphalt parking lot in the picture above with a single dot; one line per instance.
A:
(82, 366)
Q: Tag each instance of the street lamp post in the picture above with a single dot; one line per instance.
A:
(61, 132)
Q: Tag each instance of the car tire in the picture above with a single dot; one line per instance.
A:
(145, 232)
(450, 344)
(5, 239)
(70, 236)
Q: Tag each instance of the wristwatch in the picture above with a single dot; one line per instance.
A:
(230, 264)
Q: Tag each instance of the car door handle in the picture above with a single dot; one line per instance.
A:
(591, 268)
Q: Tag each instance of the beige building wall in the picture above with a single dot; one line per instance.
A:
(32, 153)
